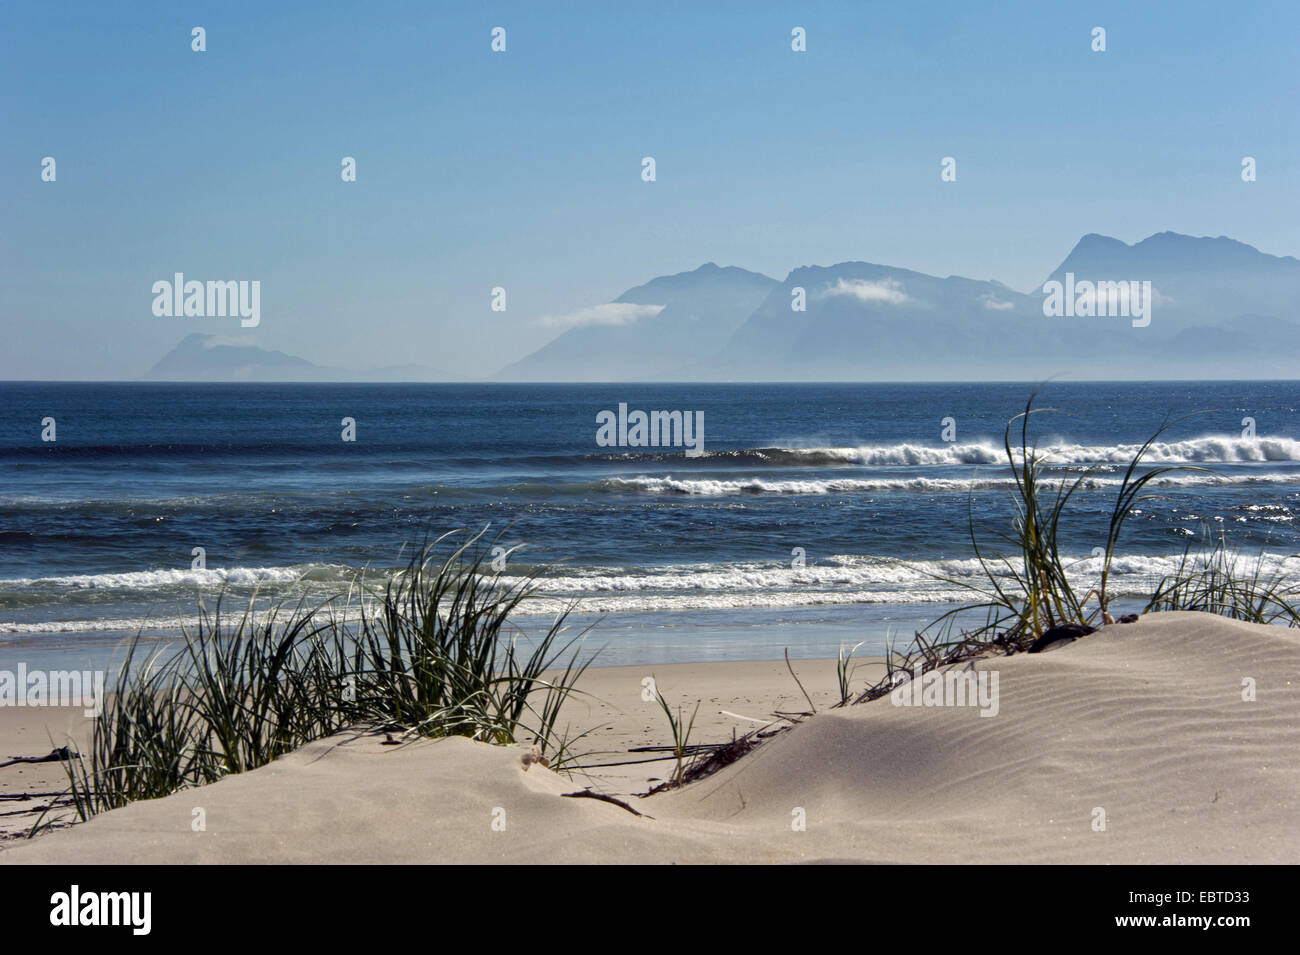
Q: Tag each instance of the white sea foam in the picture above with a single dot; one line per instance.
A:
(848, 579)
(837, 581)
(844, 571)
(1223, 449)
(177, 577)
(724, 487)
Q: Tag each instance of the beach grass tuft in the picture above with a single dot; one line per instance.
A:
(681, 728)
(1221, 580)
(1025, 585)
(435, 653)
(1026, 589)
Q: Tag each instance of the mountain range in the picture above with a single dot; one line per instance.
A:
(1219, 309)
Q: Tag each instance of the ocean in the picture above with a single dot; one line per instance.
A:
(817, 515)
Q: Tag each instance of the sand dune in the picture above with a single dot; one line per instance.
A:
(1145, 722)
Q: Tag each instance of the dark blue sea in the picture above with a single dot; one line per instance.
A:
(817, 515)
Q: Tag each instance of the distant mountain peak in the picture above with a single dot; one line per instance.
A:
(1097, 240)
(1167, 255)
(698, 311)
(204, 357)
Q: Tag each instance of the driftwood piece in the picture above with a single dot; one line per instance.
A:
(53, 756)
(603, 797)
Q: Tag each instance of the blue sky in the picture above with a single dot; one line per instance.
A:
(522, 169)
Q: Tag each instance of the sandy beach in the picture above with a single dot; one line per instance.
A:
(1132, 745)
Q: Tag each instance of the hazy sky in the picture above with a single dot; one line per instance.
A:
(522, 169)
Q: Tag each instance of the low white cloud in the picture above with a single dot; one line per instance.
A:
(612, 313)
(886, 291)
(996, 305)
(217, 341)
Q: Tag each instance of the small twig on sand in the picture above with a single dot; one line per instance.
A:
(588, 794)
(796, 680)
(625, 762)
(33, 809)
